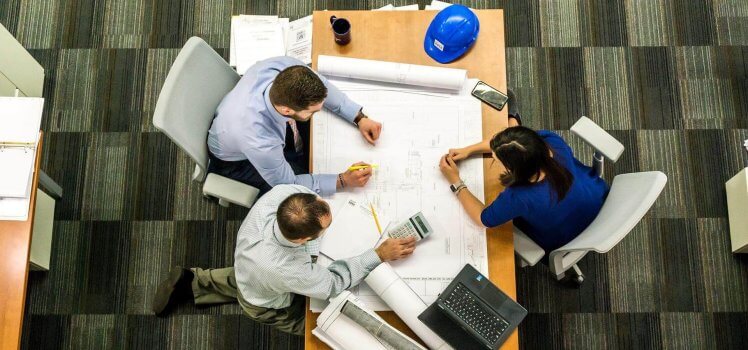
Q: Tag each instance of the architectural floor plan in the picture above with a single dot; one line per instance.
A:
(418, 129)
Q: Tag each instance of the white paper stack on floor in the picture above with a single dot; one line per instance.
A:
(255, 38)
(20, 119)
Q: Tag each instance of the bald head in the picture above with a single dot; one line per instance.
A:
(303, 215)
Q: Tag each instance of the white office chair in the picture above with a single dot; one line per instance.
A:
(196, 84)
(630, 197)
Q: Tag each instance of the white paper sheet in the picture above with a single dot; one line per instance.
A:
(392, 72)
(17, 209)
(242, 20)
(387, 7)
(20, 119)
(352, 231)
(413, 7)
(258, 42)
(299, 39)
(17, 165)
(438, 5)
(417, 130)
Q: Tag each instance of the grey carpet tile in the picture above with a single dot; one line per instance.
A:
(667, 151)
(559, 23)
(97, 332)
(589, 330)
(634, 285)
(676, 267)
(151, 246)
(637, 331)
(724, 273)
(603, 23)
(687, 330)
(608, 89)
(104, 189)
(649, 23)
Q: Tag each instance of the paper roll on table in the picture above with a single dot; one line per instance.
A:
(392, 72)
(404, 302)
(346, 324)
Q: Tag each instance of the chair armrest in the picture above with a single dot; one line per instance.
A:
(230, 190)
(598, 138)
(527, 250)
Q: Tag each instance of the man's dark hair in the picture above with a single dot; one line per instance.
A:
(297, 87)
(299, 215)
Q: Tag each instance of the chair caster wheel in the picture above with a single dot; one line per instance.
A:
(578, 279)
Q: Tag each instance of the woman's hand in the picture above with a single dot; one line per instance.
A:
(458, 154)
(449, 169)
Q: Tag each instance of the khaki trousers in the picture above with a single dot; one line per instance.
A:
(218, 286)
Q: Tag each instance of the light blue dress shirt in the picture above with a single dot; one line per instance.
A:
(270, 269)
(247, 126)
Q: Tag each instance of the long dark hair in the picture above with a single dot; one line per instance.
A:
(524, 154)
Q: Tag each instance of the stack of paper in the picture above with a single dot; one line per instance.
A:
(437, 5)
(255, 38)
(390, 7)
(20, 119)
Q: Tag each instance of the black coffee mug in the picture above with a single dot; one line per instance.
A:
(342, 30)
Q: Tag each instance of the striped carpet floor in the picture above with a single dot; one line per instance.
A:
(669, 78)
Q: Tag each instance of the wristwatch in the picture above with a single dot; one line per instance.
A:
(358, 118)
(457, 186)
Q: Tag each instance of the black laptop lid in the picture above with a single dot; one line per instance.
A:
(453, 331)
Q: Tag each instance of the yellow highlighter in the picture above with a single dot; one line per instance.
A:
(359, 167)
(376, 219)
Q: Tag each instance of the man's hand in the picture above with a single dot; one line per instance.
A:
(356, 178)
(393, 249)
(449, 169)
(370, 129)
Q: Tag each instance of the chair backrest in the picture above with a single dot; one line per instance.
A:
(196, 84)
(629, 199)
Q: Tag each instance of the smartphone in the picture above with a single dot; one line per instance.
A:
(489, 95)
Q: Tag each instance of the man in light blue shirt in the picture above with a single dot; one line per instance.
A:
(260, 135)
(274, 265)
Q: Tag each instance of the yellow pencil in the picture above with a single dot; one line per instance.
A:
(359, 167)
(376, 220)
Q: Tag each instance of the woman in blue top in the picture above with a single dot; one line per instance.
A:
(550, 195)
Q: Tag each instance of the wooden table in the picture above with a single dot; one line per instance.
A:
(398, 36)
(15, 244)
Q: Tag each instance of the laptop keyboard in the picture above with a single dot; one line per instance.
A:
(483, 320)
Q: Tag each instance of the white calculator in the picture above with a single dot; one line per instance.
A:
(415, 226)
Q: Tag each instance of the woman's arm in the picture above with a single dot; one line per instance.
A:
(472, 205)
(462, 153)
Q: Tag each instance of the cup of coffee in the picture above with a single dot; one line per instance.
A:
(341, 28)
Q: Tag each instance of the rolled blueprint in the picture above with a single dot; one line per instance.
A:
(346, 324)
(392, 72)
(378, 328)
(404, 302)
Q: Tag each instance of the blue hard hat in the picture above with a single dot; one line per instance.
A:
(451, 33)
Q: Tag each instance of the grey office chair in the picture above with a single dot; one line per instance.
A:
(630, 197)
(197, 82)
